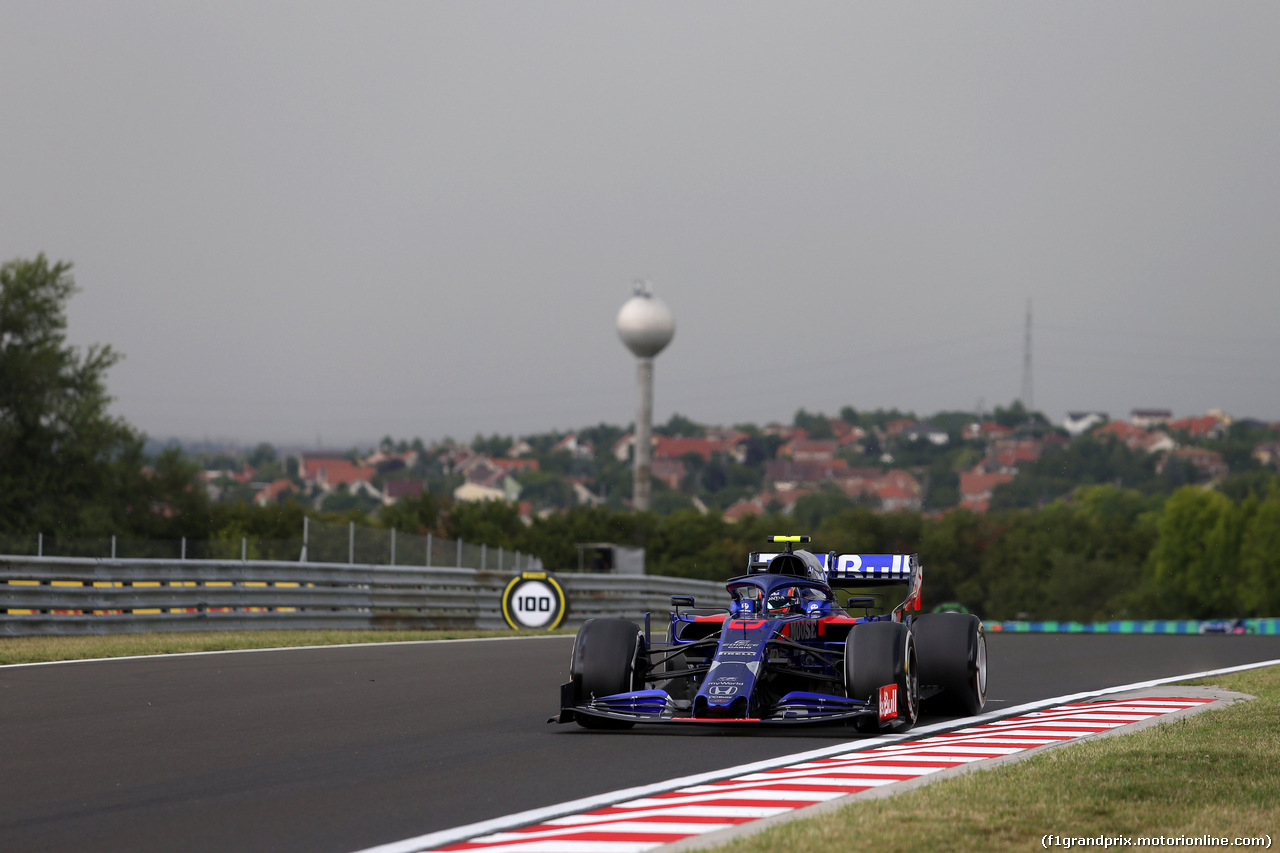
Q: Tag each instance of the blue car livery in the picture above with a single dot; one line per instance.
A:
(784, 651)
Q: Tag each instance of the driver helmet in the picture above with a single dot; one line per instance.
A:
(784, 600)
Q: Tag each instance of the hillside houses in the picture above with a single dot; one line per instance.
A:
(884, 461)
(727, 444)
(1137, 438)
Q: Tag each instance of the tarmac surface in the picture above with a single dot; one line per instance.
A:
(342, 748)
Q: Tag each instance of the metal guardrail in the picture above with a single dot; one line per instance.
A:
(64, 595)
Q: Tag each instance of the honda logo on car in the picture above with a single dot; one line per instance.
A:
(888, 702)
(722, 689)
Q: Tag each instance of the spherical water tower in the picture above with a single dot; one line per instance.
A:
(646, 326)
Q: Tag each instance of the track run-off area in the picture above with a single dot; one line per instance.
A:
(414, 745)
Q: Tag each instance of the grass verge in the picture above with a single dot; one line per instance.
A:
(44, 649)
(1215, 773)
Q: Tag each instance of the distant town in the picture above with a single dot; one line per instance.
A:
(885, 460)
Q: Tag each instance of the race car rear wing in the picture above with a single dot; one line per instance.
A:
(863, 568)
(854, 571)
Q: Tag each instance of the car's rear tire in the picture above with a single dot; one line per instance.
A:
(606, 659)
(880, 653)
(953, 656)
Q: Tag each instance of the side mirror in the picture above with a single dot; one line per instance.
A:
(677, 600)
(864, 601)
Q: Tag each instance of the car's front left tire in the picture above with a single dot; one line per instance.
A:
(607, 658)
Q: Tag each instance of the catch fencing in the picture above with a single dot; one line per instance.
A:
(67, 596)
(320, 542)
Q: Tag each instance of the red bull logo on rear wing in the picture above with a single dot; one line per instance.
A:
(872, 567)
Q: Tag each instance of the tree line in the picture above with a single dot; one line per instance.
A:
(1103, 553)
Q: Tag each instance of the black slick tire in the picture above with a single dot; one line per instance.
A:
(877, 654)
(953, 656)
(606, 659)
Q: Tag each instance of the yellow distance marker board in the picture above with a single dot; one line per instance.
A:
(533, 601)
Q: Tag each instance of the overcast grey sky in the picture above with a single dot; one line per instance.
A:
(336, 221)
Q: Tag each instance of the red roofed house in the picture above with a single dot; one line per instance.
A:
(809, 449)
(575, 448)
(731, 442)
(394, 490)
(1209, 463)
(892, 428)
(895, 489)
(329, 472)
(1136, 438)
(669, 471)
(759, 505)
(274, 492)
(976, 488)
(516, 466)
(1006, 455)
(665, 447)
(985, 431)
(1205, 426)
(743, 508)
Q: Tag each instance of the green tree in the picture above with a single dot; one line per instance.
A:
(1186, 562)
(817, 426)
(66, 465)
(679, 425)
(545, 489)
(492, 523)
(416, 514)
(1259, 591)
(262, 455)
(495, 445)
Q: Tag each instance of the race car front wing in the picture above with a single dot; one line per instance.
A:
(657, 706)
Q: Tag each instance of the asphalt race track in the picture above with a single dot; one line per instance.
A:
(343, 748)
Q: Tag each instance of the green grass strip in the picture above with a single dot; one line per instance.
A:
(46, 649)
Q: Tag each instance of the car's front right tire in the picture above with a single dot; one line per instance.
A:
(878, 654)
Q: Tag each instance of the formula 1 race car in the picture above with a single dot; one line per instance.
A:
(784, 652)
(1224, 626)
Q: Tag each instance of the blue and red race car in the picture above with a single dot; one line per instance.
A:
(784, 651)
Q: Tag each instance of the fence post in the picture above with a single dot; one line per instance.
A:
(306, 529)
(113, 546)
(351, 543)
(499, 558)
(482, 556)
(184, 547)
(428, 550)
(459, 562)
(393, 546)
(40, 545)
(244, 548)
